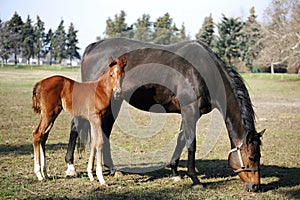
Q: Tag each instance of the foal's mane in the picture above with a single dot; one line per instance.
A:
(240, 91)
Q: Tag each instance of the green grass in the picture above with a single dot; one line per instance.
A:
(277, 107)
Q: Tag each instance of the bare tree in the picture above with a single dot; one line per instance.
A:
(281, 39)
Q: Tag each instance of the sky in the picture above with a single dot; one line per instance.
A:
(89, 16)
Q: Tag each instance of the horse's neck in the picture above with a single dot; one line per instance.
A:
(233, 119)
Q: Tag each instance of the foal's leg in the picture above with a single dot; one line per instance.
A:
(40, 135)
(97, 145)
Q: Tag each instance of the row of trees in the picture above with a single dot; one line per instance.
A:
(250, 43)
(28, 40)
(236, 40)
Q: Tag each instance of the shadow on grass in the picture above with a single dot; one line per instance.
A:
(27, 149)
(286, 178)
(209, 169)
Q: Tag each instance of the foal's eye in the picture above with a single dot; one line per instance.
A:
(251, 158)
(110, 75)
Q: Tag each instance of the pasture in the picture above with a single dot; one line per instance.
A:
(276, 100)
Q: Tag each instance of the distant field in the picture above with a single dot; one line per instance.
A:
(276, 100)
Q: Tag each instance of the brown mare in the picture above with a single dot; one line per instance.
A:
(90, 100)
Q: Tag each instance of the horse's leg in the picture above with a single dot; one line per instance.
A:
(190, 116)
(177, 153)
(71, 147)
(107, 125)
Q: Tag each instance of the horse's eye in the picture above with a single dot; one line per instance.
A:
(110, 75)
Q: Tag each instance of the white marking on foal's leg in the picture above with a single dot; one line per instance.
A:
(90, 166)
(43, 163)
(99, 174)
(71, 170)
(37, 167)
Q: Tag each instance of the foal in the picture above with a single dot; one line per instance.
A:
(88, 99)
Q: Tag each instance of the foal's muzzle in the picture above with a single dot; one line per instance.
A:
(117, 94)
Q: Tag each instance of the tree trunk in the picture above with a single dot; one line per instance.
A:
(272, 68)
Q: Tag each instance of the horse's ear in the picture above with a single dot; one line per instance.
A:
(111, 62)
(261, 133)
(124, 61)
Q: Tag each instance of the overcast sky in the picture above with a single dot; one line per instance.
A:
(89, 17)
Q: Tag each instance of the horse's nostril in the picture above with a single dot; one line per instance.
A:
(255, 188)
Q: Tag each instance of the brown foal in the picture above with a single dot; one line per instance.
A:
(89, 100)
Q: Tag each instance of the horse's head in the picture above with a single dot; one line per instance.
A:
(244, 159)
(116, 72)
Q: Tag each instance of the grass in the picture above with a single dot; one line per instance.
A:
(277, 107)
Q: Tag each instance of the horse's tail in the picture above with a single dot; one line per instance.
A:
(36, 98)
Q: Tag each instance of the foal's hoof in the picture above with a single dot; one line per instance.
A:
(197, 187)
(70, 173)
(176, 178)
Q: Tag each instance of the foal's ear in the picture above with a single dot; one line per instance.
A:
(111, 62)
(124, 61)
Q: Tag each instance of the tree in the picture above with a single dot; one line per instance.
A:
(252, 39)
(281, 39)
(206, 33)
(5, 49)
(72, 41)
(118, 27)
(15, 25)
(28, 38)
(48, 44)
(229, 42)
(40, 39)
(143, 29)
(164, 29)
(58, 43)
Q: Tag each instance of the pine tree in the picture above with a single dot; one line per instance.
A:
(229, 42)
(143, 29)
(28, 38)
(48, 44)
(164, 29)
(40, 39)
(58, 49)
(72, 49)
(252, 36)
(117, 27)
(5, 49)
(206, 33)
(15, 25)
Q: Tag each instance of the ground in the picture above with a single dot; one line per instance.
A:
(277, 106)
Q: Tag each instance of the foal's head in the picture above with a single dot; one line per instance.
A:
(116, 72)
(245, 160)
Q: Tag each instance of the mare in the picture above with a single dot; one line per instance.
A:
(185, 78)
(90, 100)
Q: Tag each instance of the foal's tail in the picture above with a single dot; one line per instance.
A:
(36, 98)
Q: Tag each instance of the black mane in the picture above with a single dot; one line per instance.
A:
(240, 92)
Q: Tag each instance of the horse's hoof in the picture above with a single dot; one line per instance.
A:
(71, 173)
(118, 174)
(176, 178)
(197, 187)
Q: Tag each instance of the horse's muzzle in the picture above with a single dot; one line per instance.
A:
(251, 187)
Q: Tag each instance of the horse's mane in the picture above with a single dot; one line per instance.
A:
(240, 91)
